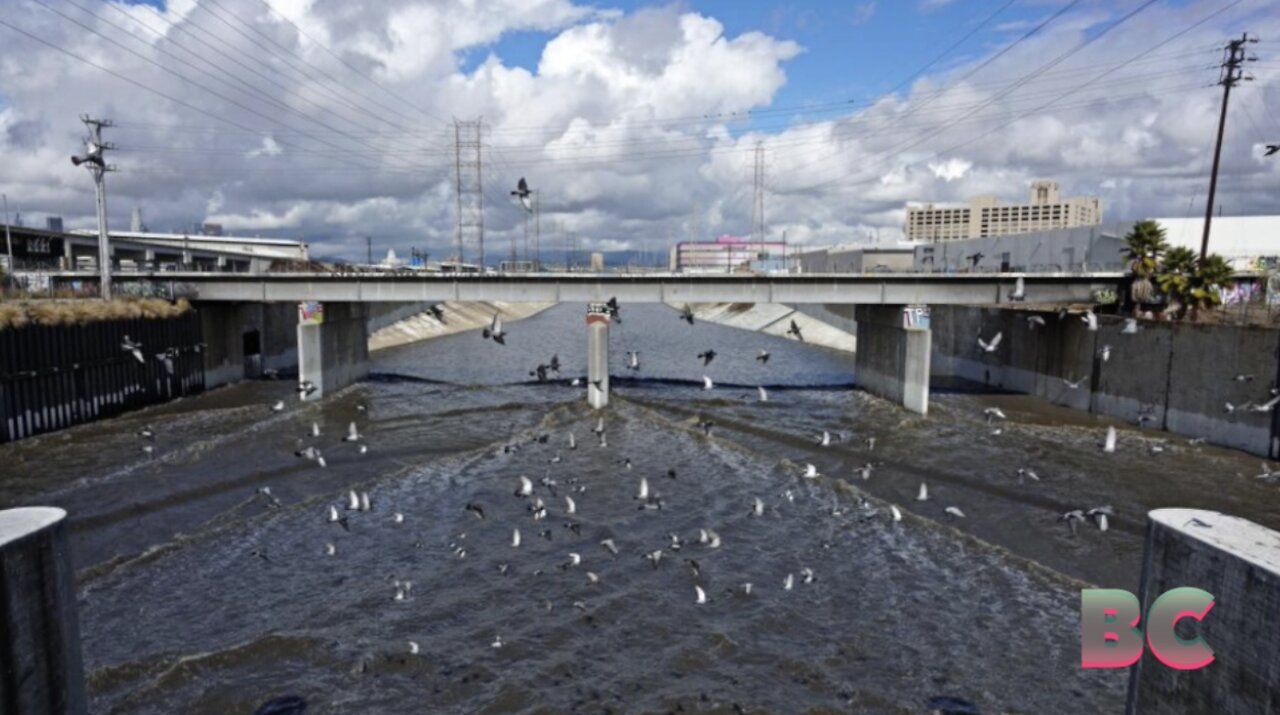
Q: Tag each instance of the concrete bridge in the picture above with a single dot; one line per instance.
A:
(890, 309)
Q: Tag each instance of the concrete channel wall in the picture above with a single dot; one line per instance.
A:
(1177, 376)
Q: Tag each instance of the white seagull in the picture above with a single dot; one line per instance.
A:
(701, 595)
(990, 347)
(707, 384)
(923, 494)
(1109, 445)
(353, 435)
(810, 472)
(764, 396)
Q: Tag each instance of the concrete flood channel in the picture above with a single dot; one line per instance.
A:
(195, 592)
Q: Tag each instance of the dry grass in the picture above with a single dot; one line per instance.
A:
(16, 314)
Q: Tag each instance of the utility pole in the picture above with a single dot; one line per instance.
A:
(469, 171)
(1232, 72)
(8, 240)
(757, 210)
(368, 248)
(537, 229)
(98, 168)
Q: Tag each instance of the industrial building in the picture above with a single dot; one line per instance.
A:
(984, 216)
(1249, 243)
(729, 254)
(898, 258)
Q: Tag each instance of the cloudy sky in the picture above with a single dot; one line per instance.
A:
(331, 120)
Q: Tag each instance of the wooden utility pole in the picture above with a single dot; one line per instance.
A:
(1232, 72)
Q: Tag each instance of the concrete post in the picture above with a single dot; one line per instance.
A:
(41, 671)
(333, 346)
(892, 358)
(1238, 562)
(598, 355)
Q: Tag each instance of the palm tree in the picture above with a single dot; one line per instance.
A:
(1145, 244)
(1174, 279)
(1210, 277)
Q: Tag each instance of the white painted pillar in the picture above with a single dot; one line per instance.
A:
(41, 670)
(598, 355)
(893, 353)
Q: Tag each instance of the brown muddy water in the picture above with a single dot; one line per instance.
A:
(200, 596)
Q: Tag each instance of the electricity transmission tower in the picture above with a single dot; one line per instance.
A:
(757, 208)
(469, 170)
(1232, 73)
(95, 162)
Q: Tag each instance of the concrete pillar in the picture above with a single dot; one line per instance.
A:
(597, 355)
(333, 346)
(41, 671)
(1238, 562)
(892, 358)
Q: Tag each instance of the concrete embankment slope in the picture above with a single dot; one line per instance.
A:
(415, 323)
(775, 319)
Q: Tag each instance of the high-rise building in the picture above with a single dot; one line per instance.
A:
(985, 216)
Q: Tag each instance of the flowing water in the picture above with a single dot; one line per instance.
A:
(200, 596)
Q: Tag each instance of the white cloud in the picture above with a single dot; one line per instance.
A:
(622, 123)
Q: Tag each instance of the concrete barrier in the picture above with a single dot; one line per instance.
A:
(41, 671)
(1238, 562)
(892, 361)
(334, 353)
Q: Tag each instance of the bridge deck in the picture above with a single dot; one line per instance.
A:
(850, 289)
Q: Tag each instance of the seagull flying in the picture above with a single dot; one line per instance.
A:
(1130, 326)
(990, 347)
(686, 314)
(1072, 385)
(763, 357)
(1019, 293)
(954, 511)
(133, 348)
(633, 360)
(706, 357)
(764, 396)
(707, 384)
(810, 472)
(1034, 321)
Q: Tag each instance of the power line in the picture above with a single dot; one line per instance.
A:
(348, 65)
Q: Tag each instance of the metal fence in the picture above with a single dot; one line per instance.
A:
(52, 377)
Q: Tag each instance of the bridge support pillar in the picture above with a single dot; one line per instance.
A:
(598, 355)
(892, 358)
(333, 346)
(41, 670)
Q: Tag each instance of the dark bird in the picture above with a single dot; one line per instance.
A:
(540, 372)
(795, 330)
(686, 314)
(612, 306)
(706, 426)
(522, 192)
(495, 331)
(436, 312)
(707, 357)
(1272, 149)
(554, 365)
(476, 509)
(763, 357)
(306, 387)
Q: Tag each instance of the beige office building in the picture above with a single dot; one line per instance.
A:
(984, 216)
